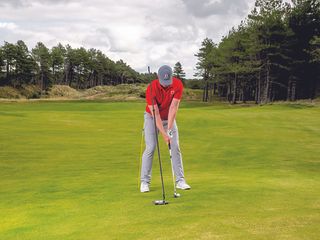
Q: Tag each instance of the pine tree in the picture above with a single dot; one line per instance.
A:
(8, 55)
(178, 71)
(24, 65)
(204, 65)
(58, 56)
(43, 59)
(304, 21)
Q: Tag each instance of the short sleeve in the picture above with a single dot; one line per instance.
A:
(179, 91)
(148, 96)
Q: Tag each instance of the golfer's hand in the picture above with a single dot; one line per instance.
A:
(166, 138)
(170, 133)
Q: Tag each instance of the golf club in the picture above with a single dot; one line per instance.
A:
(175, 194)
(163, 201)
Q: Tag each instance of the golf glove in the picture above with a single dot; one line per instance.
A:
(170, 133)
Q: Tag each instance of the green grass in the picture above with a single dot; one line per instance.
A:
(68, 170)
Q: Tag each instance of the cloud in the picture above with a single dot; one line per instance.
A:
(8, 25)
(205, 8)
(142, 33)
(29, 3)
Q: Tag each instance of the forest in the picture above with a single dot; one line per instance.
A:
(77, 67)
(274, 54)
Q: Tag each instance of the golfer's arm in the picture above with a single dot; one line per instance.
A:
(173, 112)
(158, 119)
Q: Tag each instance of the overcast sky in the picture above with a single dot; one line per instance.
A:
(142, 33)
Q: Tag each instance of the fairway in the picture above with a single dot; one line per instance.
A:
(69, 170)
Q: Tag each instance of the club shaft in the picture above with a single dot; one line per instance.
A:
(157, 141)
(174, 182)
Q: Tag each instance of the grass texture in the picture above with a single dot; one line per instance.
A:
(69, 170)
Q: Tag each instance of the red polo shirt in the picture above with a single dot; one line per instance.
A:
(163, 96)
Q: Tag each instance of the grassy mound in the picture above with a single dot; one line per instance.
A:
(23, 92)
(118, 92)
(122, 92)
(10, 92)
(131, 92)
(63, 91)
(30, 91)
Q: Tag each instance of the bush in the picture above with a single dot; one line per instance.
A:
(192, 94)
(131, 90)
(194, 84)
(31, 91)
(63, 91)
(9, 92)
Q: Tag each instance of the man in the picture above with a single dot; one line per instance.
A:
(165, 94)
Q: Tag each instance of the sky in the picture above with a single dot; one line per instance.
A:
(143, 33)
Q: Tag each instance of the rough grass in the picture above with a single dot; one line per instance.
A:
(23, 92)
(69, 171)
(30, 91)
(122, 92)
(9, 93)
(62, 91)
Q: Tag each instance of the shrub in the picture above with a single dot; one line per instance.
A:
(194, 84)
(63, 91)
(31, 91)
(9, 92)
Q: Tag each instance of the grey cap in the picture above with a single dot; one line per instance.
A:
(165, 75)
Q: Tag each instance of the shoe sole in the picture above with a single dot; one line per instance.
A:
(145, 191)
(184, 188)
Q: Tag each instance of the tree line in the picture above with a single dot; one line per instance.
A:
(77, 67)
(274, 54)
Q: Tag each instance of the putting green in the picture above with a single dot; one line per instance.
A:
(68, 170)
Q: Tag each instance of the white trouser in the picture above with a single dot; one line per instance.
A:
(150, 140)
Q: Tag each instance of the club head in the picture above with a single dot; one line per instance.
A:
(176, 195)
(160, 202)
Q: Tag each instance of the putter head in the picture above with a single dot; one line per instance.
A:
(176, 195)
(160, 202)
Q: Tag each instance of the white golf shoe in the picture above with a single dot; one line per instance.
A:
(144, 187)
(183, 185)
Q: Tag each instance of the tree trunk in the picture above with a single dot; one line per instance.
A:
(314, 88)
(8, 70)
(270, 93)
(41, 80)
(211, 91)
(78, 81)
(256, 92)
(259, 88)
(53, 73)
(293, 91)
(70, 77)
(207, 91)
(243, 95)
(289, 89)
(67, 75)
(204, 94)
(228, 91)
(8, 73)
(267, 88)
(234, 89)
(122, 78)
